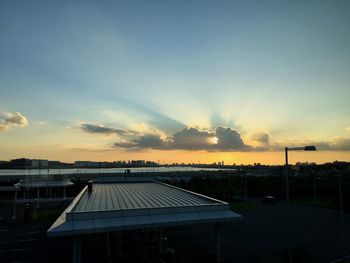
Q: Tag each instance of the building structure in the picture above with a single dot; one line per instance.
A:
(105, 207)
(24, 163)
(35, 192)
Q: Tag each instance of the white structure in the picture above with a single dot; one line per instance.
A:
(108, 206)
(27, 187)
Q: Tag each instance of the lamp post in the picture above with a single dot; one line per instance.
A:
(289, 231)
(286, 149)
(341, 226)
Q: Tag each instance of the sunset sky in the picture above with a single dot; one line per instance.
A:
(175, 81)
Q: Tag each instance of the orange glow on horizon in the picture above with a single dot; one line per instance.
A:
(168, 157)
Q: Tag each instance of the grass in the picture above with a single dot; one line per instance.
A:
(241, 207)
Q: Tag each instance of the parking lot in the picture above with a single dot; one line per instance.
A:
(266, 234)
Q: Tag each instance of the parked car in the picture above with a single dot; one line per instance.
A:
(268, 199)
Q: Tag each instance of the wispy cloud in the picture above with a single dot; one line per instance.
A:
(100, 129)
(9, 119)
(154, 117)
(335, 144)
(262, 140)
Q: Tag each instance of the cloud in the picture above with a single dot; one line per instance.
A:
(347, 129)
(189, 138)
(100, 129)
(151, 141)
(9, 119)
(262, 140)
(337, 144)
(261, 137)
(192, 139)
(229, 139)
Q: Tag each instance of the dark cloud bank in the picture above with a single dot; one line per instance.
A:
(222, 139)
(192, 138)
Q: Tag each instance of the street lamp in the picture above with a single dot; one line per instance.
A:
(289, 231)
(303, 148)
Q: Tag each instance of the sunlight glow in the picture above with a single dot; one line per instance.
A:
(213, 140)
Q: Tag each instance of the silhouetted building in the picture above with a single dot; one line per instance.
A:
(23, 163)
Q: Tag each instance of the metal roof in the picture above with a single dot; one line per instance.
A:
(43, 183)
(119, 206)
(135, 196)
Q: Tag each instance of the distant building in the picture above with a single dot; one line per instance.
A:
(39, 163)
(23, 163)
(85, 164)
(133, 163)
(137, 163)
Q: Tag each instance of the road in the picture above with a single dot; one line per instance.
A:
(264, 235)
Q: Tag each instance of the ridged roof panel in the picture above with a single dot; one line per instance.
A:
(121, 196)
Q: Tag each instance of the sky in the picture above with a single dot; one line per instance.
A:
(175, 81)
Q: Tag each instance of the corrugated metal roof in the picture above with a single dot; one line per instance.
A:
(43, 183)
(116, 196)
(120, 206)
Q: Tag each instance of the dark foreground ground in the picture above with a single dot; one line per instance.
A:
(264, 235)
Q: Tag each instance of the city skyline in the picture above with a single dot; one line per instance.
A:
(230, 81)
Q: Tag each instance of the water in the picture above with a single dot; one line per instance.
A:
(18, 172)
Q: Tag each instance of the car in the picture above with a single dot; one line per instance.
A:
(268, 199)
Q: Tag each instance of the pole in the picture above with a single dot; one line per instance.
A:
(14, 206)
(218, 241)
(340, 195)
(287, 177)
(37, 196)
(109, 258)
(245, 190)
(161, 237)
(76, 250)
(288, 228)
(315, 181)
(119, 244)
(341, 226)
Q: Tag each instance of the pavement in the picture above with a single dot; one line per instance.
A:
(28, 243)
(266, 234)
(269, 234)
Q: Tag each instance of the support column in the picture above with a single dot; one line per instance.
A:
(37, 197)
(161, 237)
(14, 206)
(109, 257)
(218, 241)
(64, 192)
(76, 250)
(119, 244)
